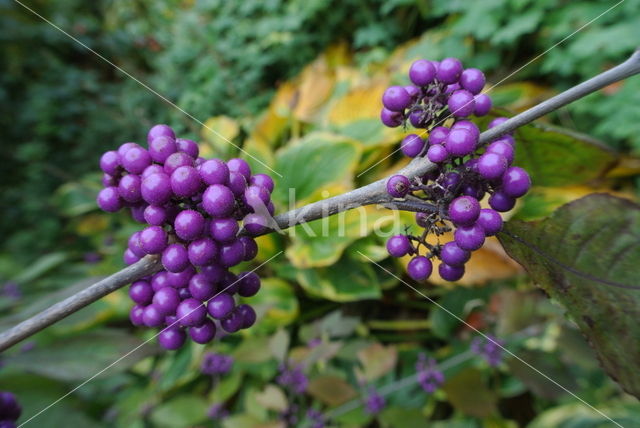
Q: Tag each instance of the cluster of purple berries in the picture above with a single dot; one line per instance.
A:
(445, 93)
(491, 349)
(10, 410)
(194, 209)
(429, 377)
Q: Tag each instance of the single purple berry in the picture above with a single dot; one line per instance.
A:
(413, 91)
(202, 251)
(412, 145)
(474, 190)
(464, 210)
(203, 333)
(450, 273)
(483, 105)
(232, 322)
(262, 180)
(230, 283)
(419, 268)
(122, 150)
(390, 118)
(255, 224)
(250, 247)
(422, 72)
(224, 230)
(201, 288)
(502, 148)
(460, 142)
(135, 160)
(166, 300)
(438, 135)
(137, 212)
(160, 130)
(453, 255)
(189, 225)
(160, 280)
(129, 257)
(398, 246)
(492, 165)
(515, 182)
(240, 166)
(450, 181)
(396, 98)
(231, 254)
(490, 220)
(469, 126)
(156, 189)
(256, 197)
(134, 245)
(249, 284)
(172, 338)
(418, 118)
(110, 162)
(213, 272)
(422, 219)
(185, 181)
(398, 186)
(181, 279)
(237, 184)
(247, 314)
(498, 121)
(214, 171)
(109, 199)
(155, 215)
(469, 238)
(129, 188)
(152, 316)
(176, 160)
(218, 201)
(189, 147)
(160, 148)
(136, 315)
(152, 169)
(141, 292)
(449, 70)
(153, 239)
(109, 180)
(472, 80)
(461, 103)
(220, 306)
(191, 312)
(175, 258)
(437, 153)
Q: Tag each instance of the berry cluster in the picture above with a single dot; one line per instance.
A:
(491, 349)
(193, 208)
(10, 410)
(441, 98)
(429, 377)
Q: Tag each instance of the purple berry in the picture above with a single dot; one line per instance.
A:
(152, 169)
(160, 280)
(497, 121)
(398, 186)
(464, 210)
(502, 148)
(134, 245)
(262, 180)
(483, 105)
(109, 180)
(203, 333)
(240, 166)
(175, 258)
(469, 238)
(460, 142)
(413, 91)
(189, 147)
(109, 199)
(137, 212)
(129, 257)
(249, 284)
(469, 126)
(185, 181)
(449, 70)
(218, 201)
(461, 103)
(451, 180)
(214, 171)
(231, 254)
(256, 197)
(422, 72)
(450, 273)
(390, 118)
(412, 145)
(472, 80)
(125, 147)
(419, 268)
(232, 322)
(141, 292)
(110, 162)
(153, 240)
(136, 315)
(201, 287)
(202, 251)
(490, 220)
(492, 165)
(152, 316)
(129, 188)
(160, 130)
(453, 255)
(181, 279)
(418, 118)
(255, 224)
(437, 153)
(220, 306)
(250, 247)
(135, 160)
(156, 189)
(166, 300)
(247, 314)
(155, 215)
(172, 338)
(189, 225)
(224, 229)
(213, 272)
(175, 161)
(515, 182)
(191, 312)
(438, 135)
(160, 148)
(396, 98)
(237, 184)
(398, 246)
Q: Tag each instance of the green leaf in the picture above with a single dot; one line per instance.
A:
(331, 390)
(276, 305)
(346, 281)
(76, 198)
(402, 417)
(577, 415)
(85, 355)
(468, 393)
(41, 266)
(183, 411)
(583, 256)
(557, 157)
(312, 163)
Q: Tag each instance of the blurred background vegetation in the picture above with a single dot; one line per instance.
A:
(291, 81)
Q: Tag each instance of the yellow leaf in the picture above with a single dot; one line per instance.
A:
(331, 390)
(315, 85)
(216, 134)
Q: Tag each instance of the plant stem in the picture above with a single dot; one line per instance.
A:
(374, 193)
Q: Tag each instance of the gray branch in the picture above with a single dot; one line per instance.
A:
(374, 193)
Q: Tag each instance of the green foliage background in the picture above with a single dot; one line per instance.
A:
(60, 106)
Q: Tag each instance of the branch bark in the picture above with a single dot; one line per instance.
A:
(374, 193)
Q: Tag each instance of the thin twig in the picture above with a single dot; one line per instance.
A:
(371, 194)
